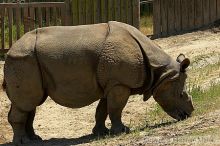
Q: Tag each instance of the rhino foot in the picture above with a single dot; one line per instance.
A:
(119, 129)
(100, 130)
(21, 140)
(35, 137)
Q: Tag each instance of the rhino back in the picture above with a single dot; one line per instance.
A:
(68, 57)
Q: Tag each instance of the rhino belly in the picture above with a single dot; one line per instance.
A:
(72, 86)
(76, 94)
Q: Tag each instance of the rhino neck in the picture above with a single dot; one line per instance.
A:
(150, 83)
(151, 78)
(155, 68)
(164, 72)
(158, 75)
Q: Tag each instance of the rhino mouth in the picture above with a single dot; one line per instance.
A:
(179, 114)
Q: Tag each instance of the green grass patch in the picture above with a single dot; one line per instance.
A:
(14, 34)
(206, 100)
(14, 30)
(197, 76)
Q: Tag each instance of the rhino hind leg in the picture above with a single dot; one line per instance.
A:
(116, 101)
(24, 89)
(29, 126)
(100, 117)
(19, 121)
(22, 124)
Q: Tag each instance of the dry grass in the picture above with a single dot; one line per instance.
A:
(146, 26)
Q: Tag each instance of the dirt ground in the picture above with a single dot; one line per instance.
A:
(61, 126)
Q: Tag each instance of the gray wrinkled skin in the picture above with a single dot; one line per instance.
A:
(78, 65)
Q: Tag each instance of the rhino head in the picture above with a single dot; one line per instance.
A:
(169, 91)
(165, 77)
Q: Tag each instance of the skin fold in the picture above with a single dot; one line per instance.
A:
(78, 65)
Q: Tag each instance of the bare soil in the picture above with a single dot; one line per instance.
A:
(61, 126)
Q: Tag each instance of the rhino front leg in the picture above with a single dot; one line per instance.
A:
(100, 117)
(116, 100)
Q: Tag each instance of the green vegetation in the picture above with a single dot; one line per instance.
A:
(146, 24)
(198, 76)
(14, 29)
(14, 33)
(146, 21)
(206, 100)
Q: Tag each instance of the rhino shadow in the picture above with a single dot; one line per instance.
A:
(158, 125)
(61, 141)
(85, 139)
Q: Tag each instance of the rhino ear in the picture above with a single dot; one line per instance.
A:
(184, 62)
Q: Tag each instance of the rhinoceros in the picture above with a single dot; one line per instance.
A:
(78, 65)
